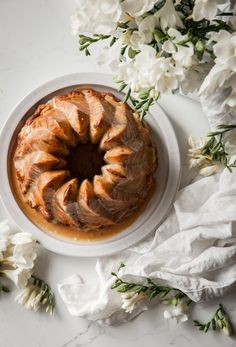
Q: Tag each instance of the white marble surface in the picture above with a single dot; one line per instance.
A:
(35, 46)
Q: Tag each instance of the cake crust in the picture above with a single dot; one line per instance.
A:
(85, 119)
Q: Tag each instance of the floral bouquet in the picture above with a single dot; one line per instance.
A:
(162, 46)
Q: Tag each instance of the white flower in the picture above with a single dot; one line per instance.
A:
(179, 46)
(18, 276)
(147, 26)
(207, 8)
(165, 18)
(4, 233)
(168, 17)
(96, 16)
(138, 7)
(24, 250)
(209, 170)
(196, 158)
(134, 38)
(17, 255)
(137, 39)
(148, 71)
(178, 312)
(217, 93)
(30, 297)
(35, 295)
(111, 55)
(130, 300)
(199, 160)
(196, 144)
(218, 90)
(225, 48)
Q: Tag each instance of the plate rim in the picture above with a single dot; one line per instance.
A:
(87, 249)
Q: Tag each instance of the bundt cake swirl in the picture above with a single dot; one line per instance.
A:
(85, 160)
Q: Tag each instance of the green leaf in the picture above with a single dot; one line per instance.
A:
(116, 284)
(113, 40)
(120, 266)
(123, 49)
(144, 94)
(122, 87)
(127, 95)
(159, 36)
(132, 53)
(125, 287)
(47, 299)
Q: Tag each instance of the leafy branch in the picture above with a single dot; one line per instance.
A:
(215, 147)
(47, 298)
(220, 321)
(86, 41)
(168, 295)
(144, 99)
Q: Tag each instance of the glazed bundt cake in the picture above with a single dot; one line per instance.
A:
(85, 160)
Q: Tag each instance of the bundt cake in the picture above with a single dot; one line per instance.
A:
(85, 160)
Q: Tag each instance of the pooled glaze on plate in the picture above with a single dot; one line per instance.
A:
(64, 231)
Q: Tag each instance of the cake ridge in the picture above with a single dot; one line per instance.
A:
(78, 118)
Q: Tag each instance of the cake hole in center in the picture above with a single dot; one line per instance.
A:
(85, 161)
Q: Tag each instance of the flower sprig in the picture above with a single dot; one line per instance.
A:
(167, 295)
(215, 148)
(142, 101)
(163, 47)
(219, 321)
(86, 41)
(18, 252)
(132, 293)
(210, 153)
(37, 294)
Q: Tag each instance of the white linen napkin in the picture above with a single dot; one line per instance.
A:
(193, 250)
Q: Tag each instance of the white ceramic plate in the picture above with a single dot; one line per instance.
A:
(168, 173)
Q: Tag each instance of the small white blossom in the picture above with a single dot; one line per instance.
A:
(165, 18)
(196, 143)
(130, 300)
(96, 16)
(24, 250)
(111, 55)
(218, 91)
(196, 158)
(30, 297)
(207, 8)
(225, 48)
(137, 39)
(179, 46)
(147, 26)
(18, 276)
(217, 94)
(168, 17)
(138, 7)
(209, 170)
(180, 312)
(148, 71)
(35, 295)
(18, 252)
(4, 233)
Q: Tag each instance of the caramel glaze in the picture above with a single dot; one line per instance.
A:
(63, 231)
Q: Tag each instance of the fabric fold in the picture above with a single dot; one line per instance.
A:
(193, 250)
